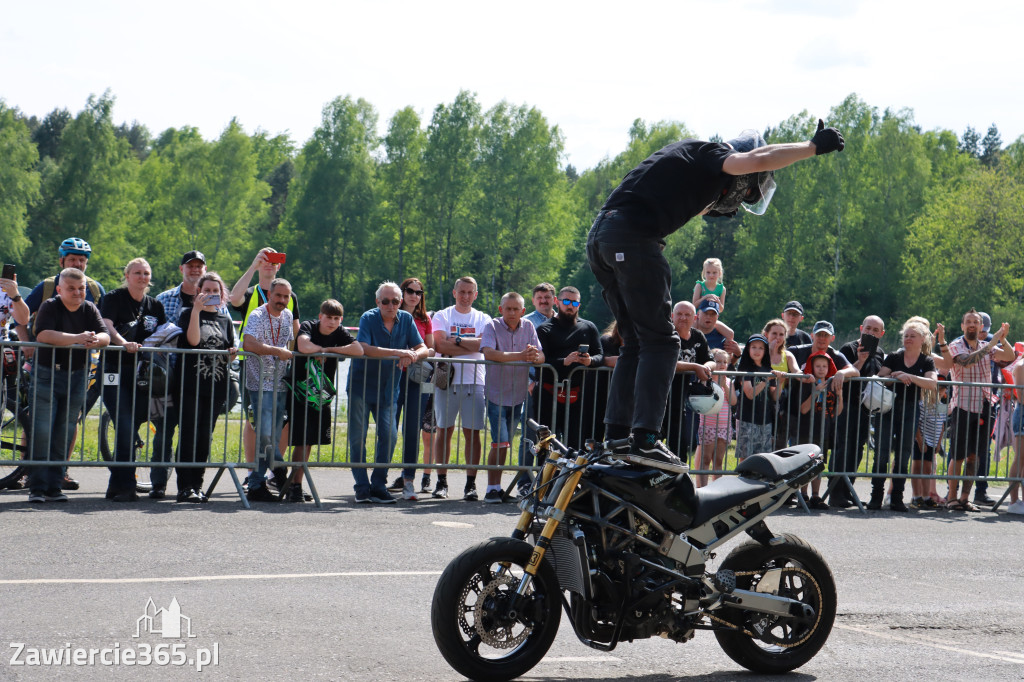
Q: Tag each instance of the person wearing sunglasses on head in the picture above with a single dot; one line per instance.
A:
(624, 249)
(569, 342)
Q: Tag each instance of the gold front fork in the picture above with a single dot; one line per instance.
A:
(555, 514)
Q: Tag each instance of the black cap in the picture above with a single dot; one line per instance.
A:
(193, 255)
(794, 305)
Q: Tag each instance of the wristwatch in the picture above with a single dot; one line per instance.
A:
(16, 298)
(458, 340)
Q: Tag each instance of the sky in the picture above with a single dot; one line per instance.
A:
(591, 68)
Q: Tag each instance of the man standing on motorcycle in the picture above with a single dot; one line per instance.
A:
(682, 180)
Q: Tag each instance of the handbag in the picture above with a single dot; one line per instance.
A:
(442, 374)
(420, 372)
(317, 389)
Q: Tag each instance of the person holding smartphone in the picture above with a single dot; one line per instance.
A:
(202, 380)
(12, 305)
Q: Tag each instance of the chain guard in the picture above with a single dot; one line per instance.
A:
(769, 621)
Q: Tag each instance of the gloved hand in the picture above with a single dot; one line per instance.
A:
(827, 140)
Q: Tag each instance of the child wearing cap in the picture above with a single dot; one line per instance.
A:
(756, 393)
(819, 408)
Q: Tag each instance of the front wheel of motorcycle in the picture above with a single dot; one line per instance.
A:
(481, 628)
(775, 644)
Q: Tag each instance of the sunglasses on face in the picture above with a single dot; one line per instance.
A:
(390, 301)
(416, 292)
(574, 304)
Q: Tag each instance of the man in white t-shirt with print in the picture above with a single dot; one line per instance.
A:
(457, 332)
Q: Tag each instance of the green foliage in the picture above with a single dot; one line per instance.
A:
(19, 183)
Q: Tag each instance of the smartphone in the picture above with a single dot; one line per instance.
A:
(869, 343)
(584, 349)
(9, 270)
(275, 257)
(214, 300)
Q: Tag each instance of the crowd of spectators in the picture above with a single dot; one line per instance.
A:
(423, 374)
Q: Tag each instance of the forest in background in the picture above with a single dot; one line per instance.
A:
(903, 222)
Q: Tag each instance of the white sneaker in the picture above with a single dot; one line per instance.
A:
(1015, 507)
(409, 491)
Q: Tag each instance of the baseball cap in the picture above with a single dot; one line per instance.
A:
(708, 304)
(823, 326)
(191, 256)
(794, 305)
(986, 321)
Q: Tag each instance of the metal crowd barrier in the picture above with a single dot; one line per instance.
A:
(573, 408)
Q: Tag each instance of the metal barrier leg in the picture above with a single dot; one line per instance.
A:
(238, 487)
(312, 487)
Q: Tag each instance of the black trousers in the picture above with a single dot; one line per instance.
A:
(637, 284)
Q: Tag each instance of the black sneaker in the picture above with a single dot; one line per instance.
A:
(984, 500)
(655, 455)
(189, 496)
(817, 503)
(261, 494)
(469, 495)
(126, 497)
(381, 497)
(69, 483)
(425, 484)
(55, 495)
(398, 485)
(897, 505)
(157, 494)
(296, 494)
(280, 478)
(441, 491)
(876, 501)
(363, 497)
(493, 497)
(36, 497)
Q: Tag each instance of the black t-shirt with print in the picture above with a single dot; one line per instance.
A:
(339, 338)
(54, 316)
(134, 320)
(201, 373)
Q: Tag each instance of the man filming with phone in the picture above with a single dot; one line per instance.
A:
(569, 342)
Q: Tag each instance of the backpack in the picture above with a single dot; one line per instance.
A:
(317, 389)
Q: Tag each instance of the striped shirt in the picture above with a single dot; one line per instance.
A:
(932, 419)
(971, 398)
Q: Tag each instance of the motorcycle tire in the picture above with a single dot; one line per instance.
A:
(785, 643)
(475, 583)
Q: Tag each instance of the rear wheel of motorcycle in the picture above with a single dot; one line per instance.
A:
(471, 627)
(782, 644)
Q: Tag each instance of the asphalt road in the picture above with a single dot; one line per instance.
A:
(343, 593)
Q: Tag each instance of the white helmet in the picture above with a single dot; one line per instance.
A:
(706, 397)
(877, 398)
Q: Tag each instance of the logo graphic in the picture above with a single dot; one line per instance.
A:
(166, 622)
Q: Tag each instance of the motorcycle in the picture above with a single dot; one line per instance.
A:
(623, 547)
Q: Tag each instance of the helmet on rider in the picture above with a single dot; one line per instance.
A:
(74, 245)
(752, 191)
(705, 397)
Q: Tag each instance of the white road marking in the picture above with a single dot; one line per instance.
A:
(908, 639)
(202, 578)
(452, 524)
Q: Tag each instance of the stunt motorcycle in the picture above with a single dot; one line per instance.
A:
(623, 547)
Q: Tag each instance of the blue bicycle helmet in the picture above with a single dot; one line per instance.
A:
(74, 245)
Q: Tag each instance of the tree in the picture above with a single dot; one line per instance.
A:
(402, 176)
(448, 183)
(969, 142)
(48, 134)
(19, 183)
(332, 206)
(991, 145)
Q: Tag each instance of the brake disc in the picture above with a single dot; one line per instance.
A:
(496, 636)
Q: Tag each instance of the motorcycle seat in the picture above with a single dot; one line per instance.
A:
(775, 466)
(724, 494)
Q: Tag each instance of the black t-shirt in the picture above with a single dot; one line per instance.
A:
(672, 185)
(852, 389)
(559, 339)
(134, 320)
(54, 316)
(907, 396)
(336, 339)
(200, 373)
(695, 349)
(760, 409)
(798, 338)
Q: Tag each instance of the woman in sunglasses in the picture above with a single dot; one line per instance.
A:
(414, 393)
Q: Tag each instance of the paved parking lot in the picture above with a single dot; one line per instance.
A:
(343, 593)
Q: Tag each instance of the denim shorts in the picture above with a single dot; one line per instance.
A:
(1017, 420)
(503, 420)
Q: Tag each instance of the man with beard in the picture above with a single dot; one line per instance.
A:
(695, 364)
(570, 342)
(267, 334)
(624, 248)
(971, 406)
